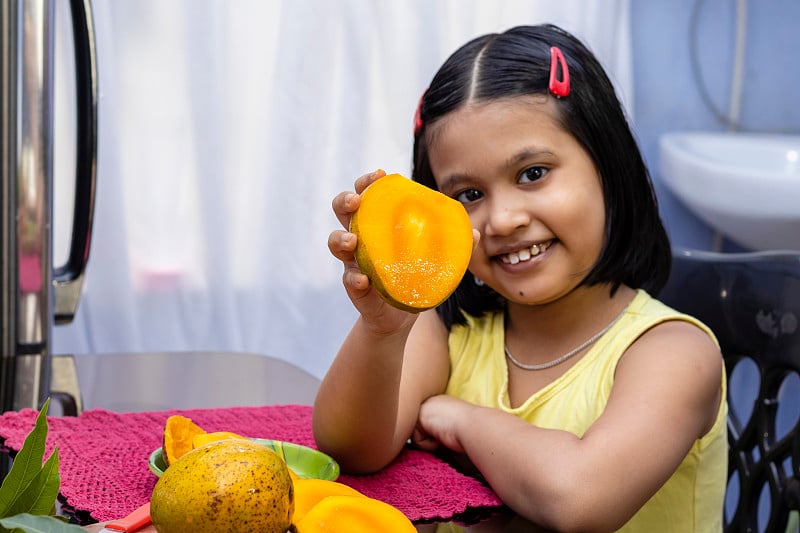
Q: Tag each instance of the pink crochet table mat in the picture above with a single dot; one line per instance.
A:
(105, 474)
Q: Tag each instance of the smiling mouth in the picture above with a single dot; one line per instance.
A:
(525, 254)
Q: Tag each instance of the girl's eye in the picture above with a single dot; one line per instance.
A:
(533, 174)
(468, 195)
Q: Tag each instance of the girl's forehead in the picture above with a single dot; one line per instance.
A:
(532, 109)
(505, 121)
(531, 103)
(499, 137)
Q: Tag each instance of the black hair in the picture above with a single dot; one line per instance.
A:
(636, 251)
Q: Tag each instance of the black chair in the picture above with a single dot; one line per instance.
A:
(752, 303)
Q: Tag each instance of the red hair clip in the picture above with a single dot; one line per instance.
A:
(559, 88)
(418, 114)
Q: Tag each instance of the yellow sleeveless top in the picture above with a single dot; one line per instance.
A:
(691, 501)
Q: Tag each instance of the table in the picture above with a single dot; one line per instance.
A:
(496, 525)
(127, 397)
(136, 382)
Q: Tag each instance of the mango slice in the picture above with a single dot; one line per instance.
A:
(309, 492)
(178, 439)
(414, 243)
(206, 438)
(353, 514)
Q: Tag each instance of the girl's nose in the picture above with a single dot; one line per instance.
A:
(505, 218)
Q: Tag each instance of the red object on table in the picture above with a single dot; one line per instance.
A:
(105, 474)
(135, 521)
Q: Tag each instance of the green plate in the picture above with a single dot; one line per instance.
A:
(304, 461)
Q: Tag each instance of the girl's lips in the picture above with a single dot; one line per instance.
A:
(525, 254)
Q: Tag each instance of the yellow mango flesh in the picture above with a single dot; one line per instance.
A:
(309, 492)
(353, 514)
(414, 243)
(178, 437)
(206, 438)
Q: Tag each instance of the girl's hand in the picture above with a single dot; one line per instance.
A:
(439, 418)
(378, 315)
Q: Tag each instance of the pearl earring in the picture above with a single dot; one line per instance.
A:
(478, 281)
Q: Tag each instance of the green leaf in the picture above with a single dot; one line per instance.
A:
(40, 495)
(38, 524)
(26, 466)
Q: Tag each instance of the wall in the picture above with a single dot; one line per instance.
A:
(667, 95)
(667, 98)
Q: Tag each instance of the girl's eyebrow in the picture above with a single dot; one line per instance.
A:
(453, 181)
(528, 153)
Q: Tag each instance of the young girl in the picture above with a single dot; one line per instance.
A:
(585, 403)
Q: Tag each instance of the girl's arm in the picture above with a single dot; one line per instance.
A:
(388, 365)
(665, 396)
(369, 400)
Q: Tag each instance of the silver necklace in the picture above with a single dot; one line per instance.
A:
(567, 355)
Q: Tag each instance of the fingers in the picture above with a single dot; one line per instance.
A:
(342, 245)
(476, 239)
(364, 181)
(355, 281)
(423, 441)
(346, 203)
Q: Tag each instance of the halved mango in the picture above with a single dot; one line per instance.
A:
(414, 243)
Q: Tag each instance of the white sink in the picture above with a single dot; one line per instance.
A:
(746, 186)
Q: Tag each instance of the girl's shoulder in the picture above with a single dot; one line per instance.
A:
(652, 313)
(673, 339)
(678, 354)
(656, 334)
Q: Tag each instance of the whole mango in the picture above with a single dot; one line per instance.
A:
(229, 485)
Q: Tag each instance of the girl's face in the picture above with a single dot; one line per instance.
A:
(529, 188)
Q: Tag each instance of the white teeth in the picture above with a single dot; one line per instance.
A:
(525, 254)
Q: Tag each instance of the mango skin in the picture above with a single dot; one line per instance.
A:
(414, 243)
(230, 485)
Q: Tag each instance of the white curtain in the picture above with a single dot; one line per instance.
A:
(225, 129)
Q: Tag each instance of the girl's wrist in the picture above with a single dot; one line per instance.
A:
(385, 340)
(380, 332)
